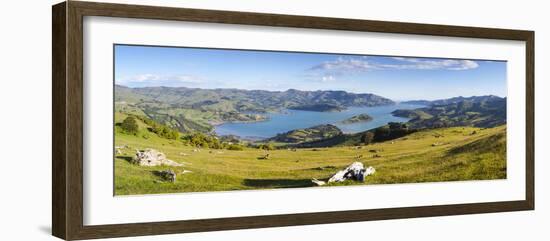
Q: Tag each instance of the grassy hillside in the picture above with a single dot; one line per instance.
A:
(446, 154)
(454, 100)
(392, 130)
(483, 111)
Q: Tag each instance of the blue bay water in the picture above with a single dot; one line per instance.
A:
(297, 119)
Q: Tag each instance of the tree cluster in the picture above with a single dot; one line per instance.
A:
(129, 125)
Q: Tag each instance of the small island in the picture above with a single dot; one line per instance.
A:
(357, 119)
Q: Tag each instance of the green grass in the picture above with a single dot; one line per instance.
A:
(446, 154)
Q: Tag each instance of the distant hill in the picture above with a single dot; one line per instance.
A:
(392, 130)
(192, 109)
(478, 111)
(315, 133)
(482, 111)
(454, 100)
(244, 100)
(318, 107)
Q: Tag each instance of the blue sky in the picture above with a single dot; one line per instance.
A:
(397, 78)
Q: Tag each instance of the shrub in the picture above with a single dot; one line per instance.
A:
(394, 130)
(159, 129)
(129, 125)
(235, 147)
(201, 140)
(166, 132)
(267, 146)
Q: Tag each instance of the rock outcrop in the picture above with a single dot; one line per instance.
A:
(168, 175)
(355, 171)
(151, 157)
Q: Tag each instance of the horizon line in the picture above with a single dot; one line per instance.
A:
(395, 100)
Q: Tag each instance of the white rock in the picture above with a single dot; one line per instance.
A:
(355, 171)
(152, 157)
(318, 182)
(369, 171)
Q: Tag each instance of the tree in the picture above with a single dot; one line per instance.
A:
(129, 125)
(382, 133)
(395, 125)
(215, 143)
(267, 147)
(164, 131)
(367, 138)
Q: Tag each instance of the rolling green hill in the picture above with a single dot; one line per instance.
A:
(392, 130)
(315, 133)
(445, 154)
(454, 100)
(485, 111)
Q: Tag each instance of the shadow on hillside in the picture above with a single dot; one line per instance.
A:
(126, 158)
(277, 183)
(492, 143)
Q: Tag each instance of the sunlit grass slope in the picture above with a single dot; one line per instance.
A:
(446, 154)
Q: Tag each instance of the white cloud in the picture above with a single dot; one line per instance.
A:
(331, 70)
(365, 64)
(346, 64)
(327, 78)
(323, 76)
(431, 64)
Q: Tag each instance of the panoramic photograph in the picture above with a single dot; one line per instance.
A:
(203, 120)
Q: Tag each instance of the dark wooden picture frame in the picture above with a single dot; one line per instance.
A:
(67, 138)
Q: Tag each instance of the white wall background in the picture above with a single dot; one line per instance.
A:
(25, 122)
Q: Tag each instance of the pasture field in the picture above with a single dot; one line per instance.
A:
(435, 155)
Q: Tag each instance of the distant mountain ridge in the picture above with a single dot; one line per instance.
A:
(453, 100)
(478, 111)
(241, 99)
(194, 109)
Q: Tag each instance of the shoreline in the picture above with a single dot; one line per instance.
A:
(354, 127)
